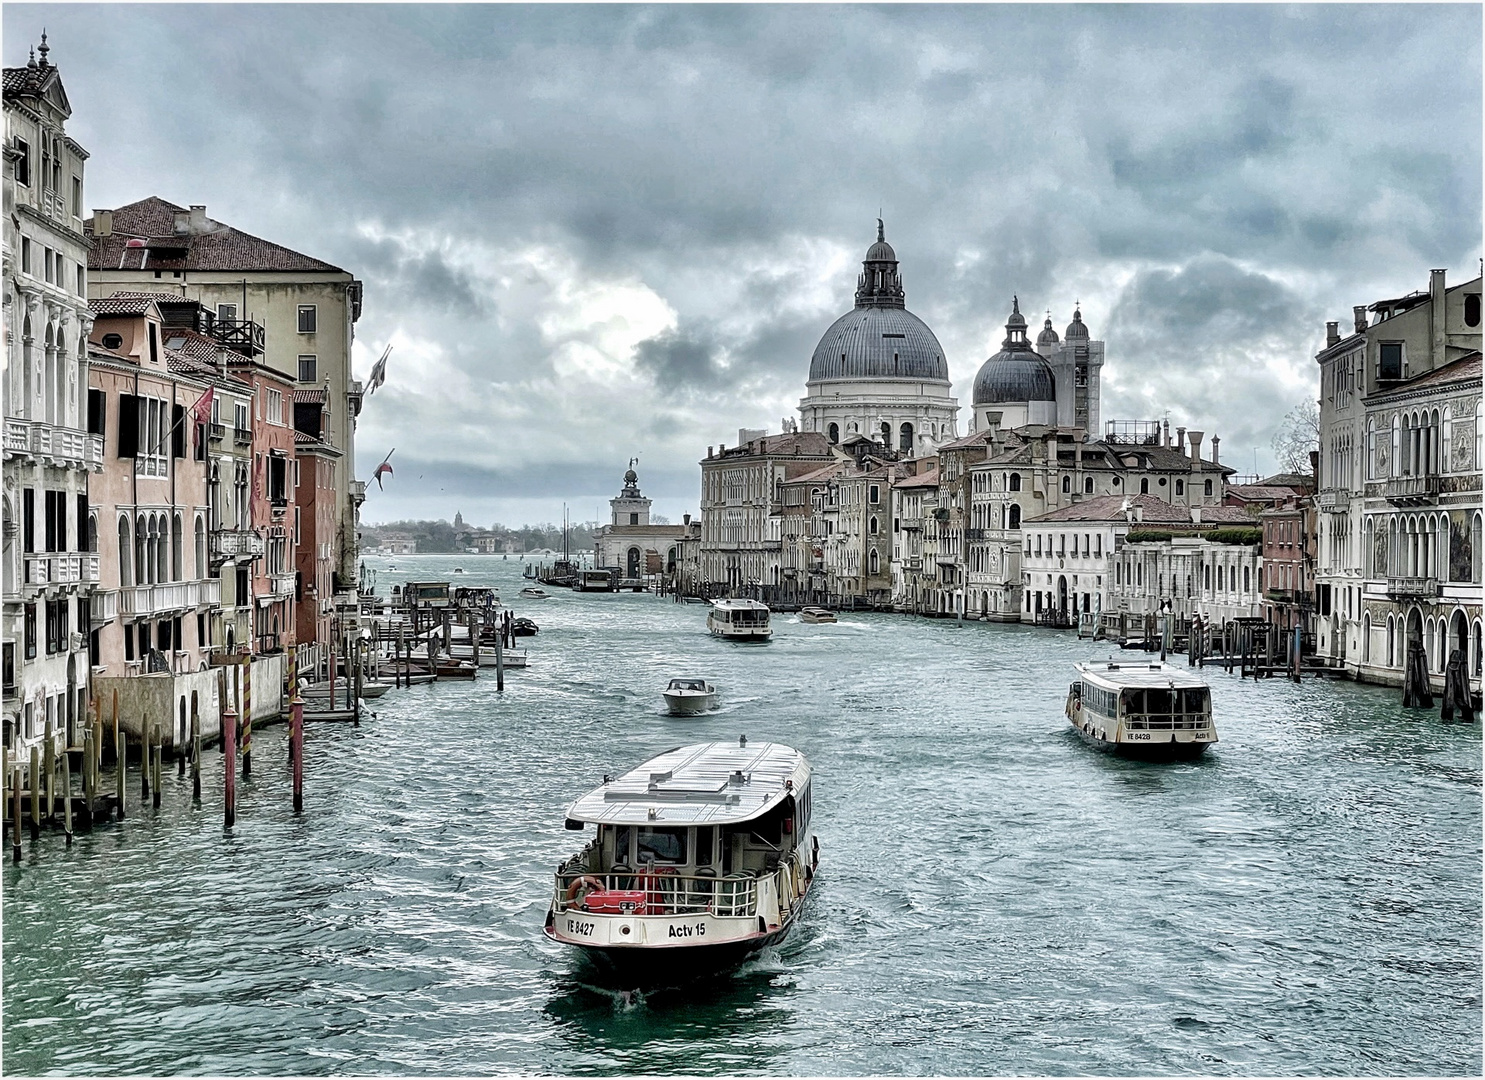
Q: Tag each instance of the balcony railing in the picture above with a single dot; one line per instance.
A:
(235, 543)
(149, 600)
(103, 606)
(282, 585)
(242, 436)
(67, 447)
(358, 491)
(1411, 489)
(1412, 588)
(60, 569)
(240, 335)
(1333, 500)
(217, 432)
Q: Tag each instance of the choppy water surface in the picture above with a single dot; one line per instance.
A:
(995, 897)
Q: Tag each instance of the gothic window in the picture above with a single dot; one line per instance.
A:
(1015, 482)
(1066, 485)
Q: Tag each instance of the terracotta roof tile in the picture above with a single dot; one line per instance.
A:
(215, 247)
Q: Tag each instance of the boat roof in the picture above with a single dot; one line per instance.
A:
(715, 783)
(741, 605)
(1117, 674)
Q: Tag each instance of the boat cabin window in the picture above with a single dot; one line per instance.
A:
(661, 845)
(705, 843)
(687, 684)
(1097, 699)
(623, 836)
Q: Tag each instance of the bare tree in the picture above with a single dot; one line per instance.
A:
(1298, 437)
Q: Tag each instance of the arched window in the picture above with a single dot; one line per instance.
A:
(1016, 519)
(200, 568)
(1207, 488)
(833, 433)
(905, 438)
(1067, 485)
(1015, 481)
(1180, 487)
(93, 533)
(27, 361)
(1247, 579)
(177, 549)
(876, 562)
(1366, 638)
(141, 552)
(49, 380)
(126, 562)
(1391, 642)
(1475, 554)
(1087, 485)
(162, 550)
(1144, 485)
(872, 526)
(1475, 649)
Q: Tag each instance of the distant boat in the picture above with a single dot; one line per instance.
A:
(739, 620)
(523, 628)
(1148, 710)
(458, 569)
(534, 592)
(816, 615)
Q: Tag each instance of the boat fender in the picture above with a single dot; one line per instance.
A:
(586, 884)
(815, 852)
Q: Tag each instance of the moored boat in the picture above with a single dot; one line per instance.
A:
(739, 620)
(816, 615)
(690, 697)
(702, 856)
(1148, 710)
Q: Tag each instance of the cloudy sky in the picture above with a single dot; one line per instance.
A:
(600, 232)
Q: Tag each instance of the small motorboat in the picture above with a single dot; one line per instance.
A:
(450, 667)
(458, 569)
(523, 627)
(690, 697)
(373, 689)
(816, 615)
(534, 592)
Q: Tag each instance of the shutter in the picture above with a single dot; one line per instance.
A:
(51, 521)
(28, 520)
(97, 411)
(61, 521)
(128, 425)
(178, 431)
(82, 523)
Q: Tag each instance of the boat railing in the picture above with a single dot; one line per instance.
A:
(1167, 722)
(659, 892)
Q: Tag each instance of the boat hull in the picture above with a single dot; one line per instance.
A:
(690, 704)
(634, 965)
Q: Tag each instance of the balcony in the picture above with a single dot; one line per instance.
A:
(240, 335)
(358, 491)
(59, 569)
(1333, 500)
(281, 586)
(976, 534)
(1412, 588)
(242, 436)
(1411, 490)
(216, 432)
(915, 562)
(235, 544)
(152, 600)
(65, 447)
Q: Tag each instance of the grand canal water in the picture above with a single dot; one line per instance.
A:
(995, 896)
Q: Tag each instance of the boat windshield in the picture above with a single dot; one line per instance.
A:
(661, 845)
(687, 684)
(747, 616)
(1160, 703)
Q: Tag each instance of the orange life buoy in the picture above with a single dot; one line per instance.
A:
(587, 883)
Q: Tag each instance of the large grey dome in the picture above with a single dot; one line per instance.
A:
(879, 343)
(880, 339)
(1017, 373)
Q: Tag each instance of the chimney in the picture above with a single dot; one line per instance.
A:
(1196, 515)
(1215, 442)
(1195, 437)
(1139, 514)
(1358, 312)
(1436, 315)
(1332, 333)
(198, 219)
(1180, 446)
(102, 222)
(708, 451)
(1165, 433)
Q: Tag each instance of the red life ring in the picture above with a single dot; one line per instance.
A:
(587, 883)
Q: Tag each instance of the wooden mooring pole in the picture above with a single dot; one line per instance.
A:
(144, 758)
(247, 717)
(296, 749)
(120, 753)
(67, 795)
(15, 813)
(49, 768)
(229, 747)
(157, 753)
(35, 792)
(195, 748)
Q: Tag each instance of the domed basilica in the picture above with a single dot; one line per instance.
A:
(1055, 383)
(879, 371)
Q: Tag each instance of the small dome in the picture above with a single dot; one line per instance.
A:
(1014, 376)
(631, 478)
(1016, 373)
(1075, 329)
(881, 251)
(1048, 336)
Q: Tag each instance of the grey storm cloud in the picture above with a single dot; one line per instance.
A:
(593, 232)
